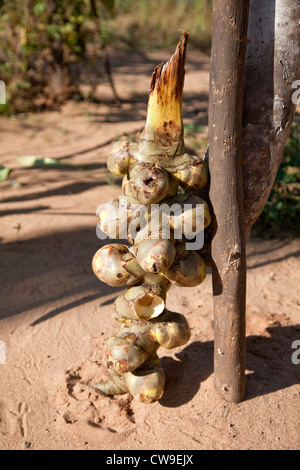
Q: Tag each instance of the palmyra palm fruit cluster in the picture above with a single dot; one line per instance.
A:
(155, 170)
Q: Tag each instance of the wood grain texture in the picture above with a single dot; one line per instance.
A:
(226, 194)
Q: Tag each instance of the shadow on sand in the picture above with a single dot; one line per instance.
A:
(268, 357)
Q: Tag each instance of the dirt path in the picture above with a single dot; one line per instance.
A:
(55, 316)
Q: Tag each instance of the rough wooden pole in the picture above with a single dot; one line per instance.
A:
(226, 194)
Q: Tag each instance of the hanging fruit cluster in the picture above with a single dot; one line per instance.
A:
(156, 170)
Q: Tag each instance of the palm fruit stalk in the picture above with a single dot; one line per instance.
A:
(156, 170)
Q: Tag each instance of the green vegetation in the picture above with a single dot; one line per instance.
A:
(4, 173)
(42, 42)
(148, 25)
(47, 44)
(281, 215)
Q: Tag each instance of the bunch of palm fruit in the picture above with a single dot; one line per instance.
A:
(155, 171)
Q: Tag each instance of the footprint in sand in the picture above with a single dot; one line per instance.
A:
(78, 404)
(20, 417)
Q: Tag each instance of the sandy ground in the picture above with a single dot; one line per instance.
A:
(55, 316)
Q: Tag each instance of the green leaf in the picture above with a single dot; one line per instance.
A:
(4, 173)
(289, 178)
(193, 128)
(39, 8)
(280, 205)
(4, 109)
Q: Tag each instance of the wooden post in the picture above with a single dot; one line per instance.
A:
(226, 193)
(271, 74)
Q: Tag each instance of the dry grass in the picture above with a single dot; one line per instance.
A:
(152, 25)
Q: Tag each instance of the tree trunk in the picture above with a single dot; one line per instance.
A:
(272, 66)
(226, 194)
(104, 52)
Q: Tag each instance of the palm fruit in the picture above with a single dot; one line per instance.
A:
(188, 269)
(128, 350)
(154, 245)
(171, 330)
(156, 225)
(141, 302)
(155, 256)
(192, 173)
(114, 385)
(153, 170)
(121, 217)
(149, 184)
(119, 158)
(146, 383)
(190, 220)
(173, 185)
(116, 266)
(130, 353)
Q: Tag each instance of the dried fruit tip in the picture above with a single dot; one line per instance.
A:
(163, 132)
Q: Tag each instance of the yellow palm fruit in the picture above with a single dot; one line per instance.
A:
(149, 184)
(116, 266)
(119, 217)
(123, 356)
(188, 270)
(153, 170)
(190, 219)
(141, 302)
(155, 256)
(192, 173)
(146, 383)
(119, 157)
(171, 330)
(115, 385)
(130, 347)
